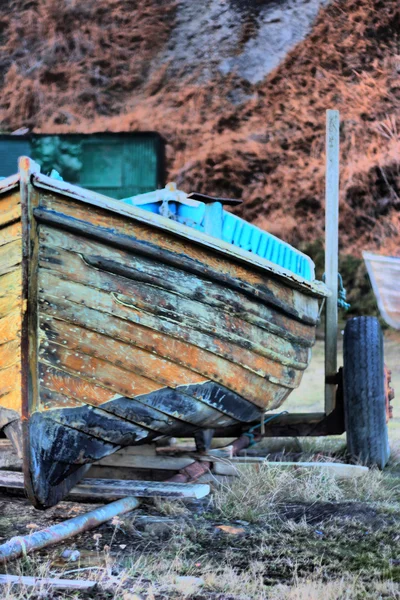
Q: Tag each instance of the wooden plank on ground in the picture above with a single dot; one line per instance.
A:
(8, 456)
(339, 470)
(110, 489)
(47, 582)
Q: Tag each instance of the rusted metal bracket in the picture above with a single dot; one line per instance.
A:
(303, 424)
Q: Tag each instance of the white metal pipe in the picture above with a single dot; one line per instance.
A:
(21, 545)
(331, 251)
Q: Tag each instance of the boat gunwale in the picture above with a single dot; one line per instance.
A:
(313, 288)
(8, 183)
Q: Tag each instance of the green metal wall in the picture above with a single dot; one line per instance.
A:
(117, 165)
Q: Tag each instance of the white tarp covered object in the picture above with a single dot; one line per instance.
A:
(384, 273)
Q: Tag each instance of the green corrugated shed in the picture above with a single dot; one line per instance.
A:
(114, 164)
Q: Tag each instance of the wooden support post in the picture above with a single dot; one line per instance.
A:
(331, 252)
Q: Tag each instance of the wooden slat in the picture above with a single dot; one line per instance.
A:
(10, 326)
(175, 280)
(10, 377)
(280, 286)
(339, 470)
(9, 233)
(47, 582)
(172, 307)
(141, 362)
(219, 364)
(115, 305)
(103, 489)
(10, 208)
(254, 388)
(10, 256)
(10, 354)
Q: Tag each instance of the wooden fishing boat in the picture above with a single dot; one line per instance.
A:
(119, 325)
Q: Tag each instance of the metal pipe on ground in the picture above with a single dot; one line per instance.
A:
(21, 545)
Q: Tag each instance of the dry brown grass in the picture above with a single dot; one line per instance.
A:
(73, 66)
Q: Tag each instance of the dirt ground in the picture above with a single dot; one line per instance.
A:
(276, 538)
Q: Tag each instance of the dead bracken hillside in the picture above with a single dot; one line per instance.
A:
(126, 65)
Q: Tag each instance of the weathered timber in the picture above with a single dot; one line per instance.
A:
(8, 457)
(109, 294)
(198, 351)
(151, 225)
(105, 230)
(232, 467)
(186, 285)
(110, 489)
(41, 583)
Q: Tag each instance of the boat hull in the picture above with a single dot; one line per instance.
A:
(131, 331)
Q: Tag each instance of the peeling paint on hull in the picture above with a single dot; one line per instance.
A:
(132, 330)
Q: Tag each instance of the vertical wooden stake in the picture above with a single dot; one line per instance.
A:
(331, 251)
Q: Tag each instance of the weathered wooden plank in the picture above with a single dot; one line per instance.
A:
(47, 582)
(176, 403)
(10, 354)
(209, 364)
(10, 326)
(170, 306)
(8, 457)
(9, 183)
(9, 378)
(272, 287)
(142, 362)
(9, 304)
(234, 377)
(102, 424)
(128, 410)
(187, 285)
(241, 351)
(10, 284)
(10, 232)
(107, 374)
(12, 399)
(10, 208)
(232, 466)
(109, 488)
(171, 463)
(168, 229)
(10, 256)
